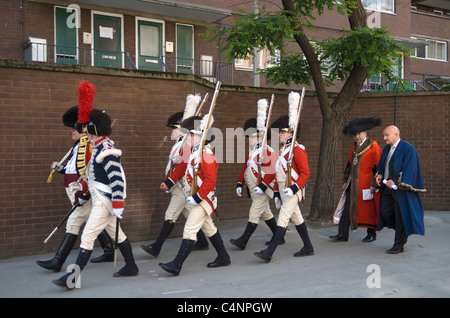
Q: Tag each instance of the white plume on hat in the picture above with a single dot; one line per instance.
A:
(204, 121)
(293, 99)
(261, 115)
(192, 102)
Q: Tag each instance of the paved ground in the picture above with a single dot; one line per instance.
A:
(338, 269)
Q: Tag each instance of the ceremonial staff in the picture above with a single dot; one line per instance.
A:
(264, 143)
(116, 243)
(294, 140)
(198, 159)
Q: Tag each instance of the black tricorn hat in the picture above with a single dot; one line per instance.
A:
(70, 117)
(100, 124)
(174, 121)
(282, 123)
(361, 124)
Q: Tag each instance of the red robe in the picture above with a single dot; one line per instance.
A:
(366, 210)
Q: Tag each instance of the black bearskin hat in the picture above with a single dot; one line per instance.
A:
(282, 123)
(174, 121)
(100, 123)
(70, 117)
(250, 128)
(195, 125)
(361, 124)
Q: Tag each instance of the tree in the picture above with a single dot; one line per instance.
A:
(360, 53)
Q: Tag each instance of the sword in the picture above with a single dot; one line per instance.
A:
(116, 242)
(62, 221)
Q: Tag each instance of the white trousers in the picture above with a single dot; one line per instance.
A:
(198, 219)
(78, 216)
(99, 220)
(177, 205)
(289, 205)
(260, 206)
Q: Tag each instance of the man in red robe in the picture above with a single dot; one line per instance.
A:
(359, 202)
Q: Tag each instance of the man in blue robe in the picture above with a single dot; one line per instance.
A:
(400, 178)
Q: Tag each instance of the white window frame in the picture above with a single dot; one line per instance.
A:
(377, 5)
(433, 42)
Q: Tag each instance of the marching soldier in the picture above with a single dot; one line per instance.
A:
(203, 202)
(105, 181)
(299, 174)
(177, 203)
(258, 176)
(76, 162)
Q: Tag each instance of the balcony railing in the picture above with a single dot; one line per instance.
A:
(206, 68)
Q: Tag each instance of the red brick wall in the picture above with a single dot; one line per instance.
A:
(33, 97)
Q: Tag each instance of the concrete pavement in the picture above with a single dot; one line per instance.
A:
(337, 270)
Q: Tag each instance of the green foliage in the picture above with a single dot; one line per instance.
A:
(374, 49)
(252, 30)
(291, 69)
(446, 87)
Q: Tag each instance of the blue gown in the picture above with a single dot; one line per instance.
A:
(408, 178)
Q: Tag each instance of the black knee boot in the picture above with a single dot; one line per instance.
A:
(272, 224)
(266, 254)
(108, 250)
(82, 260)
(154, 248)
(61, 255)
(174, 267)
(222, 259)
(307, 248)
(130, 268)
(241, 242)
(202, 242)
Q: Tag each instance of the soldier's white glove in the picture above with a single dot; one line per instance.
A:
(74, 187)
(118, 213)
(57, 166)
(277, 203)
(191, 200)
(258, 190)
(239, 191)
(288, 192)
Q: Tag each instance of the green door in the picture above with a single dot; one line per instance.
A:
(149, 45)
(185, 49)
(107, 41)
(65, 36)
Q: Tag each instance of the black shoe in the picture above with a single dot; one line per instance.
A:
(395, 250)
(151, 250)
(106, 257)
(369, 238)
(242, 241)
(263, 256)
(339, 238)
(307, 249)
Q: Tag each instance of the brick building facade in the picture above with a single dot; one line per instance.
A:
(33, 97)
(145, 29)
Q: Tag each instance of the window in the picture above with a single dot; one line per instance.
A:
(379, 5)
(435, 50)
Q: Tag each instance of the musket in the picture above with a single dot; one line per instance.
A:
(197, 113)
(198, 159)
(264, 143)
(62, 221)
(50, 177)
(294, 140)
